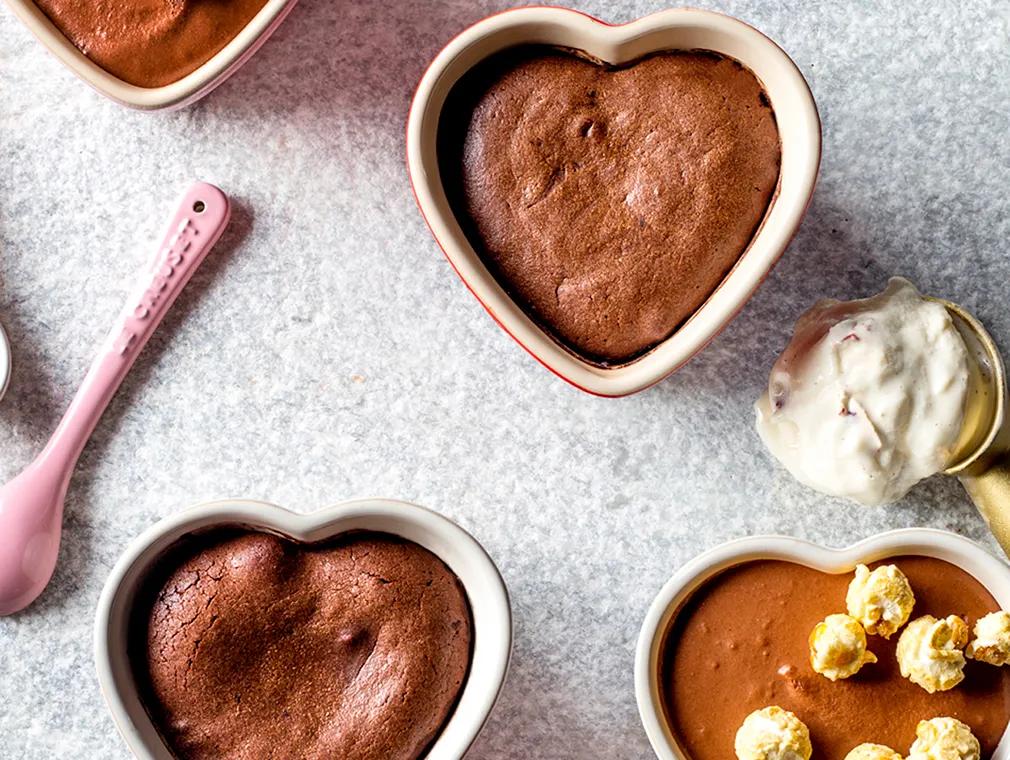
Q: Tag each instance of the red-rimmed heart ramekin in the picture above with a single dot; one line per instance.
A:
(683, 29)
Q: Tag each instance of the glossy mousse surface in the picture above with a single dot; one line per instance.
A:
(740, 644)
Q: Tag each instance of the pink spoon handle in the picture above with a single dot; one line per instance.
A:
(31, 505)
(197, 224)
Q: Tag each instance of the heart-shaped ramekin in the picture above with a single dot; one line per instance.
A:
(187, 90)
(484, 587)
(941, 544)
(799, 128)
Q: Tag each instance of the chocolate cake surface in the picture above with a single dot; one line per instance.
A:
(252, 646)
(610, 203)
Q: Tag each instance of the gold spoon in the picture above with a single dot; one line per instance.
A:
(981, 459)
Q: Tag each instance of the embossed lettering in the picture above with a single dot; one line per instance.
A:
(170, 257)
(124, 341)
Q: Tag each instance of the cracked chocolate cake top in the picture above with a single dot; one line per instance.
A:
(609, 202)
(252, 646)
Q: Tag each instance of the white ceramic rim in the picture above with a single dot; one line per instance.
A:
(799, 127)
(483, 584)
(5, 361)
(182, 92)
(966, 554)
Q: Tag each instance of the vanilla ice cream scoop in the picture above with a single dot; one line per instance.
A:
(944, 739)
(772, 733)
(869, 396)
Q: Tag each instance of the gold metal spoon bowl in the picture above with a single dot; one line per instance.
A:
(981, 459)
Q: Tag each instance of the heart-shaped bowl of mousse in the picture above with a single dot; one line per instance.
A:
(612, 195)
(165, 55)
(374, 628)
(728, 634)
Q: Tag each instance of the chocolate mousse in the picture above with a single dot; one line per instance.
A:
(150, 43)
(741, 641)
(247, 645)
(609, 202)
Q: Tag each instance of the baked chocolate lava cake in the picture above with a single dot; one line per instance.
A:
(609, 202)
(247, 645)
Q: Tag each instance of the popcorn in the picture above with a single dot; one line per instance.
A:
(773, 734)
(944, 739)
(992, 639)
(881, 600)
(929, 652)
(838, 647)
(872, 752)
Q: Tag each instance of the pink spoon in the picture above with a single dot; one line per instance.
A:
(31, 505)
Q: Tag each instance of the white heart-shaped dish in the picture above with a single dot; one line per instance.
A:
(484, 587)
(190, 88)
(799, 128)
(969, 556)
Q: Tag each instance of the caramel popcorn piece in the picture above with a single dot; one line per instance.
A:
(773, 734)
(944, 739)
(881, 600)
(872, 752)
(992, 639)
(838, 647)
(929, 652)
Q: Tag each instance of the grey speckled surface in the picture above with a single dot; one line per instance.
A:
(328, 273)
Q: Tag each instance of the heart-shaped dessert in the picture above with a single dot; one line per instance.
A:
(738, 620)
(250, 645)
(371, 630)
(612, 194)
(156, 53)
(609, 202)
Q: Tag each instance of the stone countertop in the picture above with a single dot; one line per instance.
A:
(326, 350)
